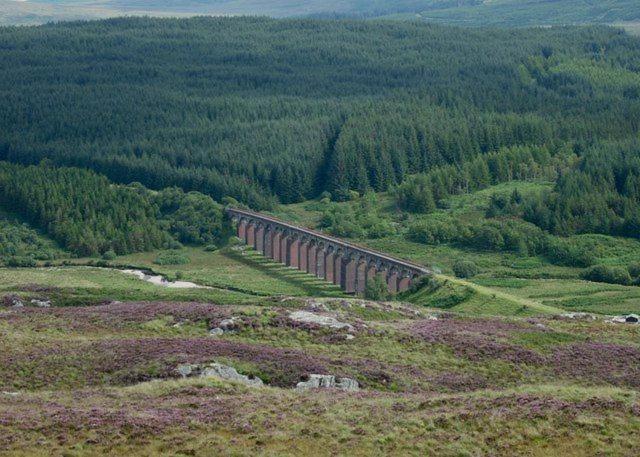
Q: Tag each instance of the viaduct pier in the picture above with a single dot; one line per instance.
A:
(334, 260)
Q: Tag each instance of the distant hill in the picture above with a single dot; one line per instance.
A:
(461, 12)
(519, 13)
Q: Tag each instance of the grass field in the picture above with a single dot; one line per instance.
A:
(574, 295)
(505, 279)
(241, 270)
(233, 276)
(75, 285)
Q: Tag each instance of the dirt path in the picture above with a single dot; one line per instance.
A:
(493, 292)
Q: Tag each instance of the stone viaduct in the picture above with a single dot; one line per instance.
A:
(336, 261)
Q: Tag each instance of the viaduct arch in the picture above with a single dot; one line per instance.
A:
(342, 263)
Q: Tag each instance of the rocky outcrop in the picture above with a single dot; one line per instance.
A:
(579, 316)
(328, 304)
(225, 326)
(41, 303)
(321, 381)
(228, 325)
(625, 319)
(308, 317)
(12, 300)
(217, 370)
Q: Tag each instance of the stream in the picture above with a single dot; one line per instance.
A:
(160, 280)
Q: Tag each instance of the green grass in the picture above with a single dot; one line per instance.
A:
(233, 275)
(242, 270)
(469, 298)
(574, 295)
(76, 285)
(511, 284)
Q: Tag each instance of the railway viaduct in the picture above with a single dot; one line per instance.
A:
(336, 261)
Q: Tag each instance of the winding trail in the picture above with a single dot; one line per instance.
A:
(497, 293)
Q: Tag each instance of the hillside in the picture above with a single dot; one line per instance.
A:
(99, 372)
(261, 110)
(504, 164)
(520, 13)
(467, 12)
(508, 280)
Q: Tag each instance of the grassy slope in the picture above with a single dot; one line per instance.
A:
(74, 285)
(235, 276)
(457, 386)
(284, 423)
(549, 286)
(77, 378)
(240, 270)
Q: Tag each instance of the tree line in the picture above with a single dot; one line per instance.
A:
(599, 194)
(88, 215)
(423, 192)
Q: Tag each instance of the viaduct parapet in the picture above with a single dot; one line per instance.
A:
(334, 260)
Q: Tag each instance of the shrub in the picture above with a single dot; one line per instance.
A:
(234, 241)
(488, 237)
(171, 258)
(433, 232)
(379, 228)
(565, 253)
(174, 244)
(230, 201)
(634, 269)
(211, 248)
(342, 221)
(21, 261)
(376, 289)
(192, 218)
(109, 255)
(611, 275)
(424, 282)
(465, 269)
(415, 195)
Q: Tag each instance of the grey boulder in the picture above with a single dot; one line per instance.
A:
(41, 303)
(625, 319)
(323, 381)
(324, 321)
(230, 374)
(217, 370)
